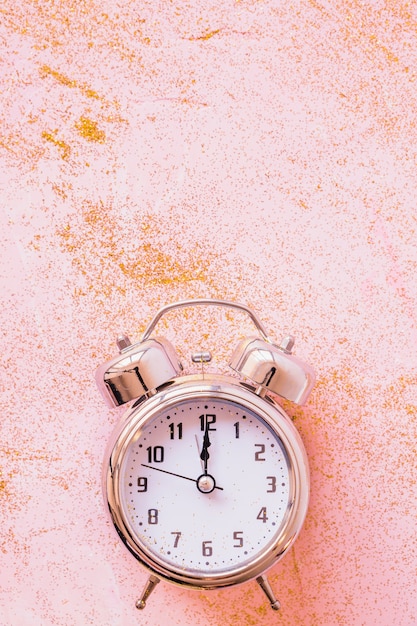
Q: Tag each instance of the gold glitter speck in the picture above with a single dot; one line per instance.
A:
(89, 130)
(64, 147)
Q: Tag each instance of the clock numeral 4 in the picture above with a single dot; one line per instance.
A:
(262, 515)
(207, 548)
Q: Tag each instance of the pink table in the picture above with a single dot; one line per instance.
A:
(258, 151)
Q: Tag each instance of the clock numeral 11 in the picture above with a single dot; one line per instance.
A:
(175, 431)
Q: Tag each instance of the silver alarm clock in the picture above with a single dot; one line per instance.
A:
(206, 478)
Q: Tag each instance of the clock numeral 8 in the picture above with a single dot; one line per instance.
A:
(153, 516)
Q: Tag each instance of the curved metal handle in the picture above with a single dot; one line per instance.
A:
(206, 302)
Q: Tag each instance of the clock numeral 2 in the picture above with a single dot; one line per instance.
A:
(260, 452)
(262, 515)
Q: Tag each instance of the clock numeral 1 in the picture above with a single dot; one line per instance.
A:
(260, 452)
(238, 537)
(155, 454)
(177, 538)
(207, 549)
(153, 516)
(262, 515)
(237, 429)
(178, 431)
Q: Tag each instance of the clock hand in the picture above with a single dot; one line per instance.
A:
(174, 474)
(204, 456)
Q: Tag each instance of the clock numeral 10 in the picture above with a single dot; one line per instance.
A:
(155, 454)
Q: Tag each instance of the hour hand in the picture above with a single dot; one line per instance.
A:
(204, 456)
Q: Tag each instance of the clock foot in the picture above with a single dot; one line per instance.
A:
(149, 587)
(263, 582)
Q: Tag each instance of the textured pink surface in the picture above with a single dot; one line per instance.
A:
(258, 151)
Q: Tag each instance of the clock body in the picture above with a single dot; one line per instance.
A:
(206, 481)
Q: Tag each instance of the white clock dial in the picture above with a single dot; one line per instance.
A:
(205, 485)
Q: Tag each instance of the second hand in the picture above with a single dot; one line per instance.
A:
(157, 469)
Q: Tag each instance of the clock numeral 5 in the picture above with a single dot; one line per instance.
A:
(178, 430)
(238, 537)
(207, 548)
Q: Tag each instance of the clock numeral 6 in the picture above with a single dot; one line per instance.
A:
(238, 537)
(207, 548)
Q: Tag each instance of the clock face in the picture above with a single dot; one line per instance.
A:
(205, 485)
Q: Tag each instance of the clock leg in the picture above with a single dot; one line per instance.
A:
(263, 582)
(149, 587)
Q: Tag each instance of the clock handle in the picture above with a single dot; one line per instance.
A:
(206, 302)
(263, 582)
(149, 587)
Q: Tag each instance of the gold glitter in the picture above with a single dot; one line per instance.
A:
(64, 147)
(90, 131)
(206, 36)
(45, 71)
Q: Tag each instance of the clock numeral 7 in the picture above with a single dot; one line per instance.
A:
(177, 538)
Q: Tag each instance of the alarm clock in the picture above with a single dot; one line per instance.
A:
(206, 478)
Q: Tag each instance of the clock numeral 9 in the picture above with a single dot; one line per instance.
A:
(153, 516)
(238, 537)
(142, 484)
(260, 452)
(207, 549)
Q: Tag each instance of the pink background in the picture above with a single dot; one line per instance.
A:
(259, 151)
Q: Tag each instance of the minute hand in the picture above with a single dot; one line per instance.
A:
(204, 456)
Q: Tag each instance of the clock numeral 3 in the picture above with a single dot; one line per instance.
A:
(272, 483)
